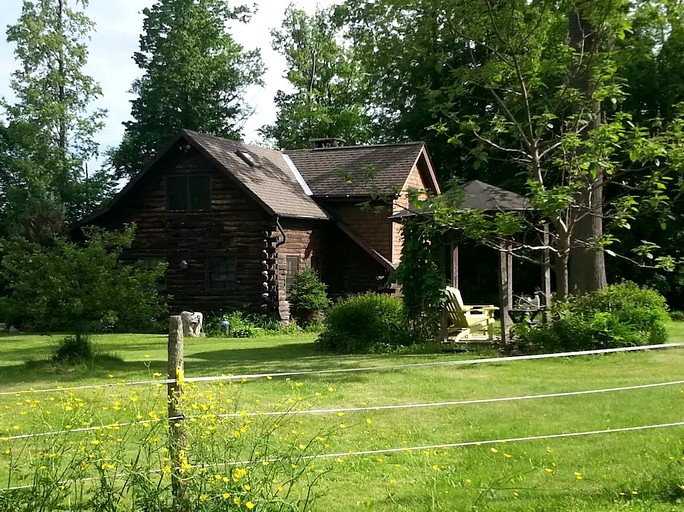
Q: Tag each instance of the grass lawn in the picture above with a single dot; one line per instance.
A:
(635, 471)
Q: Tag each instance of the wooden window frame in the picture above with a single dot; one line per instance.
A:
(188, 192)
(231, 266)
(289, 272)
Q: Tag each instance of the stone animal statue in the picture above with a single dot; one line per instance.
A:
(192, 323)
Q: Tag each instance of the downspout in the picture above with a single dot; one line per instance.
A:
(282, 231)
(278, 244)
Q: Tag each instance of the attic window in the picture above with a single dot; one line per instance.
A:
(188, 193)
(248, 158)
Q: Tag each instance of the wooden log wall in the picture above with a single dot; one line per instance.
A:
(233, 228)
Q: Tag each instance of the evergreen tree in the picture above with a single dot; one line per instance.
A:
(49, 137)
(194, 77)
(328, 98)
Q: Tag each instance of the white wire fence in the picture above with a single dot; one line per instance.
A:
(385, 451)
(180, 379)
(333, 371)
(337, 410)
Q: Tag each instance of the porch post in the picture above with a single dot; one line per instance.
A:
(454, 265)
(505, 293)
(546, 269)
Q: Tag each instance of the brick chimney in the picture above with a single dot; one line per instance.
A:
(331, 142)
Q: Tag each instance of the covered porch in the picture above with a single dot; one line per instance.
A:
(462, 256)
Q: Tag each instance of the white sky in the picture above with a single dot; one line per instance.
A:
(118, 26)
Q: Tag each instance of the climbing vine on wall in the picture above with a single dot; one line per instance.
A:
(422, 275)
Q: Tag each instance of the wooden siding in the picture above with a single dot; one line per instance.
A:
(233, 227)
(302, 239)
(371, 223)
(237, 227)
(415, 181)
(346, 268)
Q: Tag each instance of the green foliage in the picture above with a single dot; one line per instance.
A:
(239, 325)
(307, 296)
(327, 78)
(194, 75)
(677, 316)
(246, 325)
(408, 51)
(365, 322)
(421, 275)
(74, 349)
(523, 97)
(130, 469)
(69, 287)
(51, 126)
(617, 316)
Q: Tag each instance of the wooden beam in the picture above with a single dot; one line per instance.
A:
(505, 295)
(546, 269)
(454, 265)
(509, 262)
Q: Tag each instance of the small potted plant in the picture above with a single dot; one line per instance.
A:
(307, 297)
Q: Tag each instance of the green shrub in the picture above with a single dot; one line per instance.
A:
(618, 316)
(363, 323)
(245, 325)
(677, 316)
(6, 314)
(307, 297)
(239, 326)
(71, 287)
(74, 349)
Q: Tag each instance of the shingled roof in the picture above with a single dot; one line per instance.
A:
(476, 195)
(483, 196)
(343, 171)
(271, 182)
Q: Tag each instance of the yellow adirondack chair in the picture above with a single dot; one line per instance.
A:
(464, 320)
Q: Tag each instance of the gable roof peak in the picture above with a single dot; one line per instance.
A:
(351, 171)
(270, 181)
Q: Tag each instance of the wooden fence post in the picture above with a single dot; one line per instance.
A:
(177, 430)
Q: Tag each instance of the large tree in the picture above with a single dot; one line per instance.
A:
(51, 125)
(543, 76)
(328, 81)
(194, 77)
(407, 49)
(650, 60)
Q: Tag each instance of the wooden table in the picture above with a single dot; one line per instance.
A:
(528, 315)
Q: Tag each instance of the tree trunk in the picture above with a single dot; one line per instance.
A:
(62, 80)
(587, 267)
(561, 261)
(562, 286)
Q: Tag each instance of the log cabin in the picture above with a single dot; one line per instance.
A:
(236, 222)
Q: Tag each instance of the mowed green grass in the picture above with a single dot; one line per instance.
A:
(638, 470)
